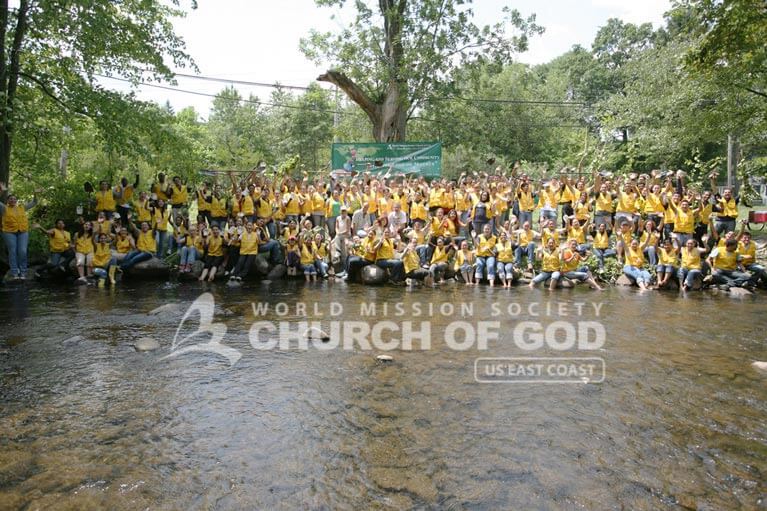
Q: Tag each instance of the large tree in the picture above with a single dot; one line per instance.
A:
(399, 53)
(60, 47)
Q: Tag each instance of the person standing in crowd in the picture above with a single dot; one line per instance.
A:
(15, 227)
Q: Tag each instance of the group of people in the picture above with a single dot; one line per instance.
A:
(478, 227)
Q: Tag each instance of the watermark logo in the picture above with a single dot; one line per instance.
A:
(205, 305)
(561, 328)
(539, 370)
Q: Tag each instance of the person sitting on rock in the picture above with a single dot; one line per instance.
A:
(691, 266)
(146, 246)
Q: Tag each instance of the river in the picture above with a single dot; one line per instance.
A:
(679, 422)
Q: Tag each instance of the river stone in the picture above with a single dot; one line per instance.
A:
(261, 265)
(150, 269)
(277, 272)
(410, 481)
(197, 268)
(566, 283)
(146, 344)
(385, 358)
(760, 366)
(72, 340)
(372, 275)
(623, 281)
(168, 308)
(739, 292)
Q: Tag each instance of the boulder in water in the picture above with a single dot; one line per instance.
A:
(623, 281)
(760, 366)
(150, 269)
(168, 308)
(146, 344)
(261, 265)
(277, 272)
(384, 358)
(372, 275)
(566, 283)
(739, 292)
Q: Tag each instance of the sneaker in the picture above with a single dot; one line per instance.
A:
(239, 279)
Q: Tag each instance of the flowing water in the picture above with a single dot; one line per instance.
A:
(86, 422)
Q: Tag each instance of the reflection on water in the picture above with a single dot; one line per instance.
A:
(88, 422)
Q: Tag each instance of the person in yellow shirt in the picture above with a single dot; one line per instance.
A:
(142, 207)
(525, 241)
(525, 203)
(668, 256)
(84, 251)
(307, 259)
(124, 244)
(635, 262)
(293, 256)
(601, 244)
(685, 219)
(178, 195)
(106, 198)
(248, 243)
(385, 258)
(188, 254)
(59, 246)
(160, 187)
(146, 246)
(573, 267)
(482, 213)
(505, 260)
(727, 268)
(411, 261)
(550, 257)
(321, 255)
(485, 244)
(160, 221)
(213, 242)
(15, 227)
(104, 263)
(604, 207)
(465, 259)
(439, 262)
(125, 192)
(691, 266)
(747, 253)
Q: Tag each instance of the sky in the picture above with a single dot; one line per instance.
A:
(258, 40)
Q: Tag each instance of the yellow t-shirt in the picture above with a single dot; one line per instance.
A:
(60, 241)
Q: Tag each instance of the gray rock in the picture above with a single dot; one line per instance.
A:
(261, 265)
(146, 344)
(372, 275)
(71, 341)
(740, 293)
(623, 281)
(171, 308)
(277, 272)
(151, 269)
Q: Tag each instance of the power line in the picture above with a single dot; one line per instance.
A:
(244, 100)
(436, 98)
(241, 82)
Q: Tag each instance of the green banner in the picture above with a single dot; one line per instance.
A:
(420, 158)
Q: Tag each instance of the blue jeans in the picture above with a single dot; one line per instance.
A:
(732, 278)
(422, 251)
(525, 216)
(580, 276)
(273, 248)
(395, 266)
(161, 238)
(322, 267)
(483, 262)
(652, 255)
(506, 270)
(133, 258)
(687, 277)
(637, 274)
(601, 253)
(546, 275)
(188, 255)
(529, 250)
(758, 272)
(16, 243)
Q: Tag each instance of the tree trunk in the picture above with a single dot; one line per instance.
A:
(389, 118)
